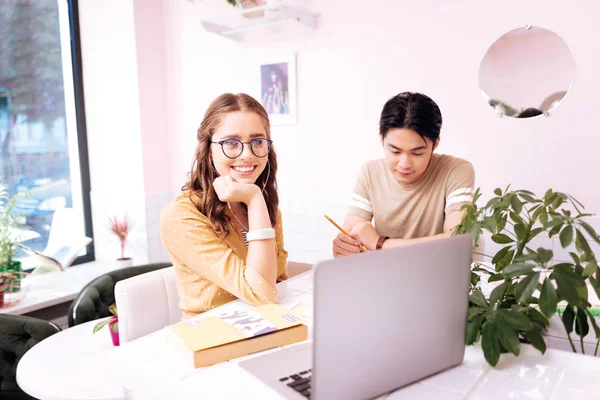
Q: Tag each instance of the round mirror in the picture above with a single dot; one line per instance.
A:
(526, 73)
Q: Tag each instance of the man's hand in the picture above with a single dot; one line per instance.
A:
(365, 233)
(344, 245)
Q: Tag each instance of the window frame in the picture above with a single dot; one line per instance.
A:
(84, 165)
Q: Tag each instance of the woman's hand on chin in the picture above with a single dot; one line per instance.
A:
(229, 190)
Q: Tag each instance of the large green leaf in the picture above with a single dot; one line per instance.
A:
(537, 318)
(591, 231)
(500, 254)
(566, 236)
(516, 204)
(478, 299)
(581, 324)
(473, 311)
(517, 320)
(473, 328)
(568, 318)
(517, 269)
(495, 278)
(566, 287)
(589, 269)
(489, 342)
(545, 255)
(548, 298)
(534, 336)
(582, 242)
(502, 223)
(555, 230)
(501, 238)
(520, 231)
(509, 338)
(535, 232)
(528, 197)
(498, 292)
(544, 217)
(525, 288)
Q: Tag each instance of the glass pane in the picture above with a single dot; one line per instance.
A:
(38, 136)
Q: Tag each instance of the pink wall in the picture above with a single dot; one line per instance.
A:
(524, 67)
(151, 50)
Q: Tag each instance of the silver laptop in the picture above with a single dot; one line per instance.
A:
(382, 320)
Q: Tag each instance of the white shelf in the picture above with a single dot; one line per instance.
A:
(238, 21)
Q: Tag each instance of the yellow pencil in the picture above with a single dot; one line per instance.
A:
(363, 248)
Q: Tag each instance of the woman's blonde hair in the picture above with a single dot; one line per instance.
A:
(203, 173)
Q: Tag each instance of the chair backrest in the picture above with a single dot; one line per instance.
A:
(18, 333)
(95, 298)
(147, 303)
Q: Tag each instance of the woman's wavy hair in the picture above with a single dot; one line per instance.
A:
(203, 173)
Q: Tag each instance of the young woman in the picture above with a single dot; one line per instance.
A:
(223, 232)
(412, 194)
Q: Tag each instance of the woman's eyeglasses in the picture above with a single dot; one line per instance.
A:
(233, 148)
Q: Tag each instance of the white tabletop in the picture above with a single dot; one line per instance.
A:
(57, 287)
(86, 367)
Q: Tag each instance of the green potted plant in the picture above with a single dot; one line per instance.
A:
(9, 222)
(113, 324)
(529, 285)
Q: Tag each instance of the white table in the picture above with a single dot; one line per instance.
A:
(148, 368)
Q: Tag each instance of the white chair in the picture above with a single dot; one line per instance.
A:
(147, 303)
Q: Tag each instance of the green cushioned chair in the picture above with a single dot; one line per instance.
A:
(17, 335)
(93, 300)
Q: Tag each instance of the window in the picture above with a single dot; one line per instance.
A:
(43, 146)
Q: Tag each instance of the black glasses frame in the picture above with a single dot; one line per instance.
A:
(269, 141)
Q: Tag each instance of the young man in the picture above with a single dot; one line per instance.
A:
(411, 194)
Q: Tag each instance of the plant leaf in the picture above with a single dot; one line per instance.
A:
(582, 242)
(581, 324)
(526, 287)
(113, 309)
(474, 311)
(101, 324)
(495, 278)
(520, 231)
(545, 255)
(478, 299)
(589, 269)
(473, 328)
(566, 287)
(498, 292)
(517, 269)
(548, 298)
(575, 258)
(500, 254)
(534, 337)
(498, 192)
(489, 342)
(501, 238)
(566, 236)
(516, 204)
(568, 318)
(509, 338)
(591, 231)
(515, 319)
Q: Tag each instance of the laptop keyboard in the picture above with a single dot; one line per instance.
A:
(300, 382)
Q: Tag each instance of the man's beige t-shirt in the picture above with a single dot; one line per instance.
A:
(418, 209)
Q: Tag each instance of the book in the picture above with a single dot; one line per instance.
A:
(213, 339)
(60, 255)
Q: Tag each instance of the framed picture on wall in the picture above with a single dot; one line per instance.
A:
(278, 88)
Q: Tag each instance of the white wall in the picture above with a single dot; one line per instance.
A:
(113, 124)
(363, 54)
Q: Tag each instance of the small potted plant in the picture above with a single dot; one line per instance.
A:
(9, 223)
(121, 227)
(5, 278)
(113, 325)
